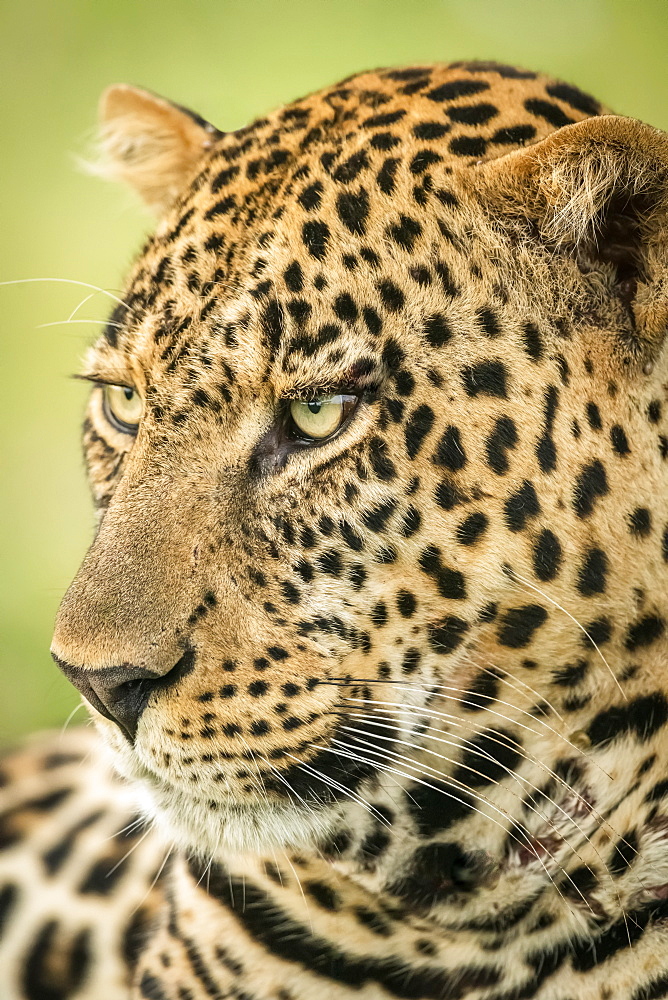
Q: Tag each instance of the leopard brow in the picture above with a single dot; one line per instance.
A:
(342, 386)
(99, 378)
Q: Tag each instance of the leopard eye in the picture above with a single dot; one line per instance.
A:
(123, 407)
(320, 418)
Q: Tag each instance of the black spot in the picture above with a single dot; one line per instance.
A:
(514, 135)
(150, 988)
(411, 661)
(392, 297)
(373, 321)
(404, 382)
(482, 692)
(386, 178)
(384, 141)
(447, 634)
(624, 853)
(293, 277)
(575, 97)
(533, 342)
(223, 207)
(489, 322)
(430, 130)
(619, 441)
(472, 114)
(653, 989)
(640, 718)
(654, 411)
(447, 495)
(379, 614)
(546, 451)
(598, 632)
(472, 528)
(520, 506)
(259, 727)
(594, 416)
(350, 537)
(373, 921)
(592, 573)
(590, 484)
(417, 427)
(548, 110)
(345, 308)
(468, 145)
(353, 209)
(383, 120)
(376, 518)
(412, 522)
(406, 603)
(311, 196)
(487, 758)
(323, 894)
(450, 582)
(457, 88)
(405, 232)
(422, 160)
(9, 895)
(382, 464)
(436, 806)
(350, 168)
(640, 522)
(330, 562)
(434, 873)
(571, 674)
(499, 442)
(644, 632)
(547, 555)
(436, 330)
(450, 451)
(315, 236)
(54, 967)
(519, 624)
(487, 378)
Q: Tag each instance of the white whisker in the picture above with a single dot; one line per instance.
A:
(69, 281)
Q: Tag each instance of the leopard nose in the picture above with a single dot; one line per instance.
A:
(122, 693)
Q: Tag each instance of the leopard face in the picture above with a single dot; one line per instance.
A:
(377, 443)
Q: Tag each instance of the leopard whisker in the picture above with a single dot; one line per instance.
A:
(129, 852)
(337, 786)
(517, 777)
(70, 281)
(69, 322)
(350, 754)
(462, 701)
(450, 760)
(83, 302)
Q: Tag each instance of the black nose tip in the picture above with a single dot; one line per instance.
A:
(121, 693)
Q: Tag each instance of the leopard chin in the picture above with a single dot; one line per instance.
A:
(215, 828)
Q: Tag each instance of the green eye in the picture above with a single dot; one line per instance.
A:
(123, 407)
(320, 418)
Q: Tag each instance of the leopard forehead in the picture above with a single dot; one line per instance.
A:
(288, 254)
(312, 612)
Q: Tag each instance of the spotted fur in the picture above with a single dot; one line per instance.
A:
(398, 697)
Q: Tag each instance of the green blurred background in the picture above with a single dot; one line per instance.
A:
(231, 60)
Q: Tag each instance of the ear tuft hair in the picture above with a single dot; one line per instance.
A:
(598, 189)
(150, 143)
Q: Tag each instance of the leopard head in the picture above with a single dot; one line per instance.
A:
(376, 440)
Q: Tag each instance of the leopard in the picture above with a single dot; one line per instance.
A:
(372, 629)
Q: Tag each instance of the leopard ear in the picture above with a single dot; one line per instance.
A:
(150, 143)
(598, 189)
